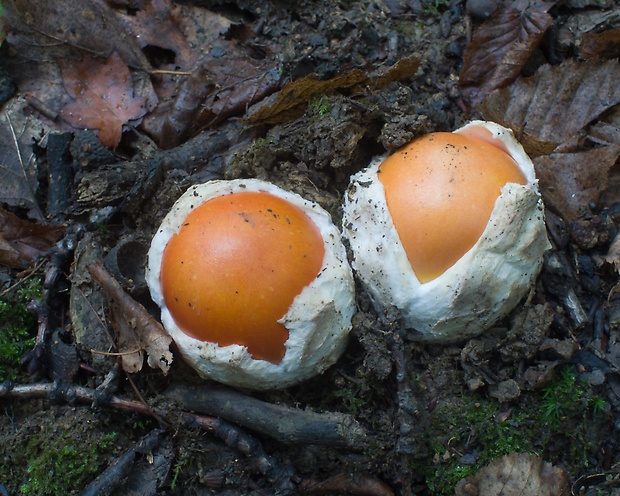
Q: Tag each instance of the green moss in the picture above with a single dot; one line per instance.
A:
(321, 104)
(470, 434)
(18, 328)
(351, 403)
(62, 463)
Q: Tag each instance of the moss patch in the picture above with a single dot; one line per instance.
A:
(18, 327)
(55, 452)
(475, 431)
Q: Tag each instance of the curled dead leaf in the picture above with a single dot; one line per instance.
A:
(149, 333)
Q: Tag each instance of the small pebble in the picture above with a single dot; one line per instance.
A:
(482, 9)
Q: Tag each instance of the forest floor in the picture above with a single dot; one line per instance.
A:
(202, 98)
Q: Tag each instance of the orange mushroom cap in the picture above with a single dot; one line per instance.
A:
(235, 267)
(441, 190)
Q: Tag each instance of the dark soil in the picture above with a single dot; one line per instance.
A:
(544, 380)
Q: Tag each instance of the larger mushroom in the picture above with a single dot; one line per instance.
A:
(253, 284)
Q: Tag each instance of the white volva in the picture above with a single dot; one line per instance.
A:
(481, 287)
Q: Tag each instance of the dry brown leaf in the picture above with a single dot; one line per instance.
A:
(605, 45)
(291, 101)
(499, 49)
(129, 346)
(103, 93)
(23, 242)
(403, 69)
(517, 474)
(569, 181)
(18, 165)
(555, 104)
(43, 30)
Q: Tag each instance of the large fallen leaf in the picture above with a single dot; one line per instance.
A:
(18, 164)
(103, 94)
(499, 49)
(517, 474)
(22, 242)
(43, 30)
(291, 101)
(556, 103)
(570, 181)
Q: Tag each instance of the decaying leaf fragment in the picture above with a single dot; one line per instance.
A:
(18, 165)
(499, 49)
(516, 474)
(149, 334)
(22, 242)
(570, 181)
(556, 103)
(613, 254)
(600, 45)
(129, 346)
(103, 94)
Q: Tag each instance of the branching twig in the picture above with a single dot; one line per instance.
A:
(279, 475)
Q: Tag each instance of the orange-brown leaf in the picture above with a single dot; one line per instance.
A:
(103, 94)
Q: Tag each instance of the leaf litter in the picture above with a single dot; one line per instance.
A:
(23, 242)
(516, 475)
(551, 112)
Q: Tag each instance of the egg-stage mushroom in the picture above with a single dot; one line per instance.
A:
(253, 284)
(449, 230)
